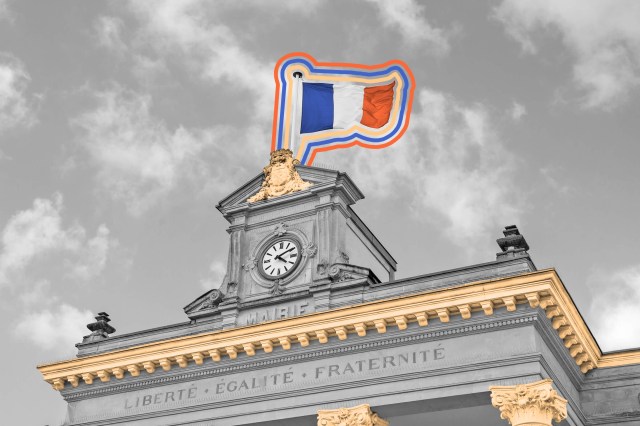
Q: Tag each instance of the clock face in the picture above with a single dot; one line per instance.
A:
(280, 258)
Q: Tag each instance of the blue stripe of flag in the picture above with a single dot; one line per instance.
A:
(317, 107)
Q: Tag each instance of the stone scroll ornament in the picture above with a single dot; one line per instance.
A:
(322, 106)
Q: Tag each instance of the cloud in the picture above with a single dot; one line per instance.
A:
(92, 260)
(17, 109)
(604, 37)
(57, 329)
(37, 233)
(517, 111)
(217, 271)
(555, 184)
(192, 32)
(140, 161)
(109, 34)
(616, 297)
(5, 12)
(408, 18)
(452, 165)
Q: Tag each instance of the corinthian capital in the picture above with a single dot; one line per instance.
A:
(531, 404)
(360, 415)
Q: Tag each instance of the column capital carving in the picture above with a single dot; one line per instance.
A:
(531, 404)
(360, 415)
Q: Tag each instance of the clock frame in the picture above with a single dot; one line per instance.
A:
(274, 248)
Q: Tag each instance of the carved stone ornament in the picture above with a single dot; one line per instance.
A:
(342, 257)
(251, 263)
(338, 274)
(280, 229)
(532, 404)
(309, 249)
(278, 288)
(100, 329)
(323, 267)
(213, 300)
(360, 415)
(280, 177)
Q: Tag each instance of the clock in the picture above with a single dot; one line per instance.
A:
(280, 258)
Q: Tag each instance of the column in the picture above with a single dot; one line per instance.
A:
(531, 404)
(360, 415)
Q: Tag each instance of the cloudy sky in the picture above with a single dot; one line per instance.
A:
(123, 123)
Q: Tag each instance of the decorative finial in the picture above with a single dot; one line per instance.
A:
(280, 177)
(100, 329)
(512, 244)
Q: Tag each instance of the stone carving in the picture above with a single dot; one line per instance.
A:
(342, 257)
(337, 274)
(213, 300)
(531, 404)
(512, 244)
(360, 415)
(309, 249)
(323, 266)
(232, 288)
(100, 329)
(280, 229)
(277, 288)
(280, 177)
(251, 263)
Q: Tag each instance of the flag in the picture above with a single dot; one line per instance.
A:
(339, 106)
(322, 106)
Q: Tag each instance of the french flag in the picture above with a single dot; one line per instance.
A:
(339, 106)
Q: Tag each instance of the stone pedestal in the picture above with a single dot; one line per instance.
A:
(531, 404)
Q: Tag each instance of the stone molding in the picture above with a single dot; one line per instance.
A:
(531, 404)
(360, 415)
(541, 289)
(196, 374)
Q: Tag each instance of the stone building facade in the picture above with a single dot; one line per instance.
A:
(311, 327)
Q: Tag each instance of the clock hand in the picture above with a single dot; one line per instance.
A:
(279, 256)
(285, 252)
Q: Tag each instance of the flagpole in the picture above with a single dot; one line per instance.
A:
(297, 76)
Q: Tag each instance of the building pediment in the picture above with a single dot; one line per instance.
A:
(321, 180)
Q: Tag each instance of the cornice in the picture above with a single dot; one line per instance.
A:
(542, 289)
(617, 359)
(249, 364)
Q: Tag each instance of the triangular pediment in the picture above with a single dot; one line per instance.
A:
(320, 178)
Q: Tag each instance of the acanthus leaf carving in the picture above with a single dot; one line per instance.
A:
(360, 415)
(534, 403)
